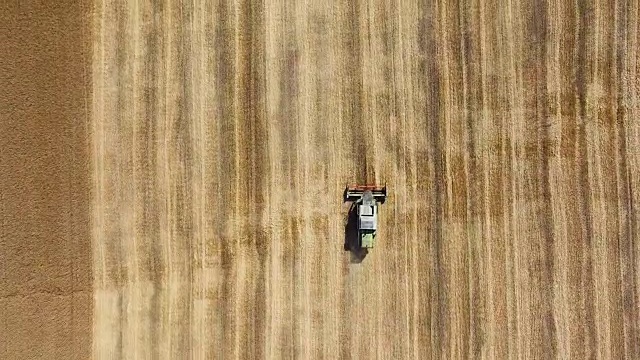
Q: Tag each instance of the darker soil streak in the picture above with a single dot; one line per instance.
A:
(118, 247)
(150, 227)
(354, 93)
(539, 28)
(182, 130)
(583, 66)
(223, 40)
(438, 294)
(256, 145)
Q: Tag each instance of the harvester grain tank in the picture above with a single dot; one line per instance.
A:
(366, 199)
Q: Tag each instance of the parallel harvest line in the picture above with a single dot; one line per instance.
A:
(135, 285)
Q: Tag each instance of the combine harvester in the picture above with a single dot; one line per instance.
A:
(366, 199)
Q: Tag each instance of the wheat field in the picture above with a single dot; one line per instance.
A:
(223, 133)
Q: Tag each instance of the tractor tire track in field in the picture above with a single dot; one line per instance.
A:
(224, 132)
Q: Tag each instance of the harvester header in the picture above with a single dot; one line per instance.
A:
(355, 192)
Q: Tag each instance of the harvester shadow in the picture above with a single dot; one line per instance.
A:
(351, 239)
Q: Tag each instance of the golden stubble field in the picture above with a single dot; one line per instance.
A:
(223, 133)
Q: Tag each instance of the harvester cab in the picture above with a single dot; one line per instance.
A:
(366, 199)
